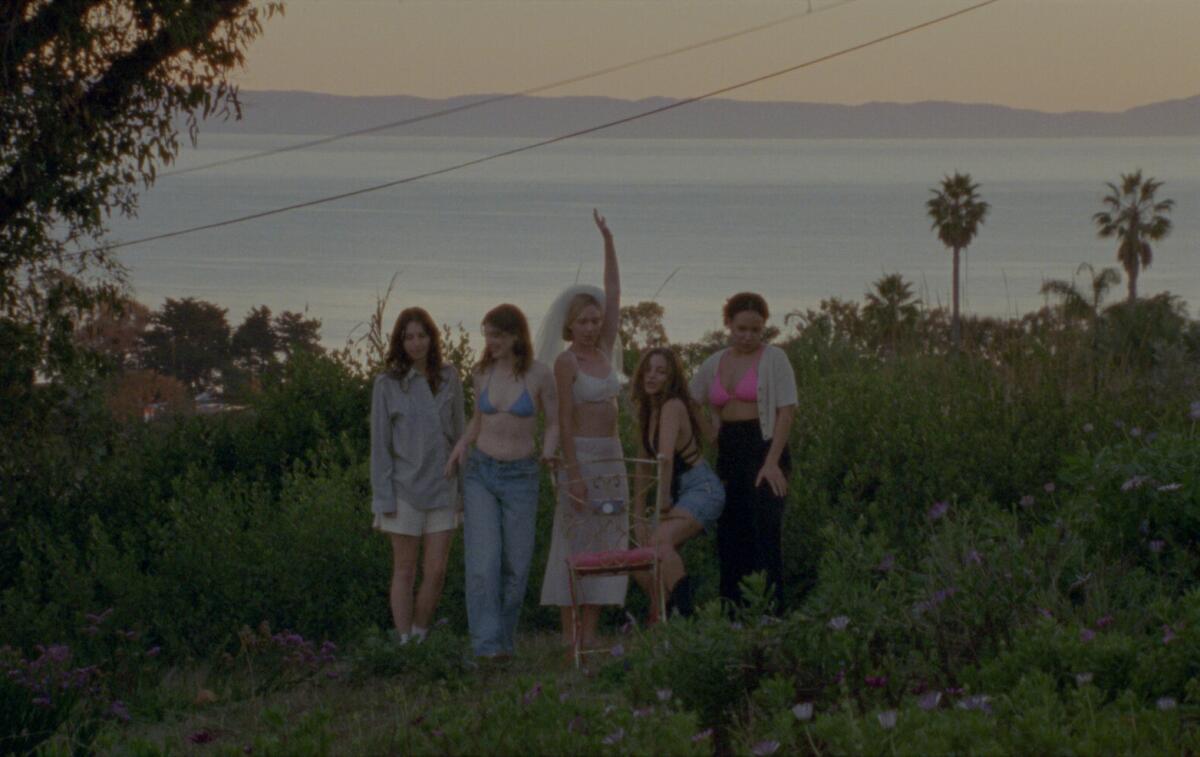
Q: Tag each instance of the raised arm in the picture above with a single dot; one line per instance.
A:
(612, 285)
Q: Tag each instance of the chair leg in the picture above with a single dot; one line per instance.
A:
(575, 616)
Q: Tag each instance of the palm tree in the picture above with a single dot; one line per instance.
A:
(891, 308)
(1077, 305)
(1136, 220)
(957, 214)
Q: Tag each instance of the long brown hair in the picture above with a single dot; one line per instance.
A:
(509, 319)
(398, 363)
(675, 388)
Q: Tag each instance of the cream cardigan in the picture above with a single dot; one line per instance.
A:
(776, 384)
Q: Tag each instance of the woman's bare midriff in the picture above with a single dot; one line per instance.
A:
(595, 418)
(506, 437)
(739, 410)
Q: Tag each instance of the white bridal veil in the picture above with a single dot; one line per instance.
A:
(549, 342)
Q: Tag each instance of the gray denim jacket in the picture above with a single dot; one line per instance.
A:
(412, 433)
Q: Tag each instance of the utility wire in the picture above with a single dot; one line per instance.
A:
(561, 137)
(501, 98)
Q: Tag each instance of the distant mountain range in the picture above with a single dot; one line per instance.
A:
(314, 113)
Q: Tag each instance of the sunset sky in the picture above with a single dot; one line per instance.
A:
(1054, 55)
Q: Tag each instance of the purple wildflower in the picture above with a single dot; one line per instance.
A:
(803, 711)
(955, 691)
(664, 695)
(1105, 621)
(702, 736)
(1135, 432)
(1134, 482)
(616, 737)
(980, 702)
(643, 712)
(1166, 703)
(1045, 613)
(42, 701)
(153, 651)
(1168, 634)
(839, 623)
(938, 510)
(887, 719)
(618, 650)
(973, 558)
(99, 617)
(1086, 635)
(437, 733)
(1194, 412)
(876, 682)
(929, 700)
(203, 736)
(1027, 501)
(1156, 545)
(532, 694)
(763, 748)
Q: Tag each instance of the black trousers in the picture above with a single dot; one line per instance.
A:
(750, 530)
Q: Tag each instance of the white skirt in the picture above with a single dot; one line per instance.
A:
(589, 531)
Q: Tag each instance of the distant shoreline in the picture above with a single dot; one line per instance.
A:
(311, 113)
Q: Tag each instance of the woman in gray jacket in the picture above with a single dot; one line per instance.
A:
(416, 419)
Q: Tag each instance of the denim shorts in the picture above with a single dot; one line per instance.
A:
(701, 495)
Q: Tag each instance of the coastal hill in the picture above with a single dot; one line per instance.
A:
(282, 112)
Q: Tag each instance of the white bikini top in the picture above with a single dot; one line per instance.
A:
(591, 389)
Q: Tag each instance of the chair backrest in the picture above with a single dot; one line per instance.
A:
(610, 518)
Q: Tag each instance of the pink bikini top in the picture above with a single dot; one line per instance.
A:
(745, 391)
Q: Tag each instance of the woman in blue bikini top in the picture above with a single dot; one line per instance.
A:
(500, 489)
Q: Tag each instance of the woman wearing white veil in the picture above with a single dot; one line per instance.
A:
(585, 320)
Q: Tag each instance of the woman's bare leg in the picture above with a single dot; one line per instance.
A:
(433, 576)
(404, 573)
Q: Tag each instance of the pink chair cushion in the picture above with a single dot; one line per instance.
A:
(615, 558)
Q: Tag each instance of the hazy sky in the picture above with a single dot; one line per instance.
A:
(1053, 55)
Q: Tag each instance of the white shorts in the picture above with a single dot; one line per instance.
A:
(410, 521)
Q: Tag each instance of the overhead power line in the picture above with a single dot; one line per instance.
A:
(562, 137)
(501, 98)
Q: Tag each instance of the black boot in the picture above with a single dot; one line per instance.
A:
(680, 600)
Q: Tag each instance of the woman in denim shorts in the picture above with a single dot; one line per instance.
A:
(667, 420)
(500, 493)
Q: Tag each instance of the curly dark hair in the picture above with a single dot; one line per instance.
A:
(397, 363)
(509, 319)
(746, 301)
(675, 388)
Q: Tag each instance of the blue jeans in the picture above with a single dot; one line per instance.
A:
(500, 499)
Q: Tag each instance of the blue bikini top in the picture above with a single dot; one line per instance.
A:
(522, 408)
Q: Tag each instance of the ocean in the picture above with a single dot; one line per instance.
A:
(694, 221)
